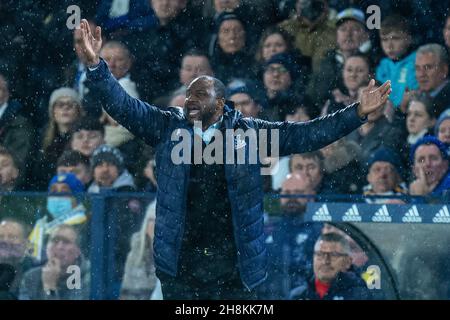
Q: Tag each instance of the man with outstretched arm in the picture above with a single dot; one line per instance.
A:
(209, 241)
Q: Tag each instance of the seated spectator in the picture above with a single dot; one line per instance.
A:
(333, 278)
(352, 37)
(13, 250)
(17, 206)
(245, 96)
(442, 129)
(74, 162)
(343, 169)
(398, 65)
(384, 176)
(446, 32)
(9, 172)
(229, 50)
(281, 86)
(118, 18)
(302, 111)
(177, 31)
(64, 111)
(290, 241)
(139, 280)
(313, 30)
(195, 63)
(356, 73)
(119, 61)
(276, 40)
(88, 134)
(63, 207)
(110, 174)
(50, 281)
(119, 137)
(430, 168)
(420, 118)
(16, 132)
(309, 165)
(375, 132)
(432, 76)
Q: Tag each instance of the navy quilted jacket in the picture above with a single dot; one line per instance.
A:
(156, 126)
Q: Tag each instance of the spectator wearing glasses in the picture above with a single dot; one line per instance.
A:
(333, 278)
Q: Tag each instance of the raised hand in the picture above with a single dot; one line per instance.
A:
(90, 44)
(373, 98)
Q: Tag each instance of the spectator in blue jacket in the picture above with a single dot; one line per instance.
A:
(213, 248)
(333, 278)
(398, 65)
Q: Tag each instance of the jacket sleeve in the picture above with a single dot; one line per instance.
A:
(300, 137)
(140, 118)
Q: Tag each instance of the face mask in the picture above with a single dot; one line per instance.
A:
(59, 205)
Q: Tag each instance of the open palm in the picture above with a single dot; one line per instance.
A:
(90, 44)
(373, 98)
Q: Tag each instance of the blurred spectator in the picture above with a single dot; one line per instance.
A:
(281, 84)
(88, 134)
(9, 172)
(420, 119)
(431, 73)
(119, 137)
(356, 73)
(21, 210)
(276, 40)
(51, 281)
(375, 132)
(352, 38)
(313, 30)
(195, 63)
(333, 278)
(398, 65)
(446, 32)
(16, 133)
(302, 111)
(344, 172)
(229, 49)
(139, 280)
(119, 18)
(119, 61)
(63, 207)
(384, 176)
(431, 167)
(178, 97)
(290, 241)
(13, 250)
(72, 161)
(245, 96)
(64, 109)
(178, 30)
(311, 166)
(442, 128)
(110, 174)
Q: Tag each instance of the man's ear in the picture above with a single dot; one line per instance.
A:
(220, 104)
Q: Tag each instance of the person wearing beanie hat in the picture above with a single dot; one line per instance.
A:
(384, 176)
(109, 170)
(209, 239)
(430, 167)
(230, 50)
(245, 98)
(64, 110)
(442, 128)
(63, 207)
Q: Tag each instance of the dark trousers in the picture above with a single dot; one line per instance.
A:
(187, 287)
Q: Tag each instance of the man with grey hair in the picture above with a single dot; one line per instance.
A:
(333, 278)
(432, 74)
